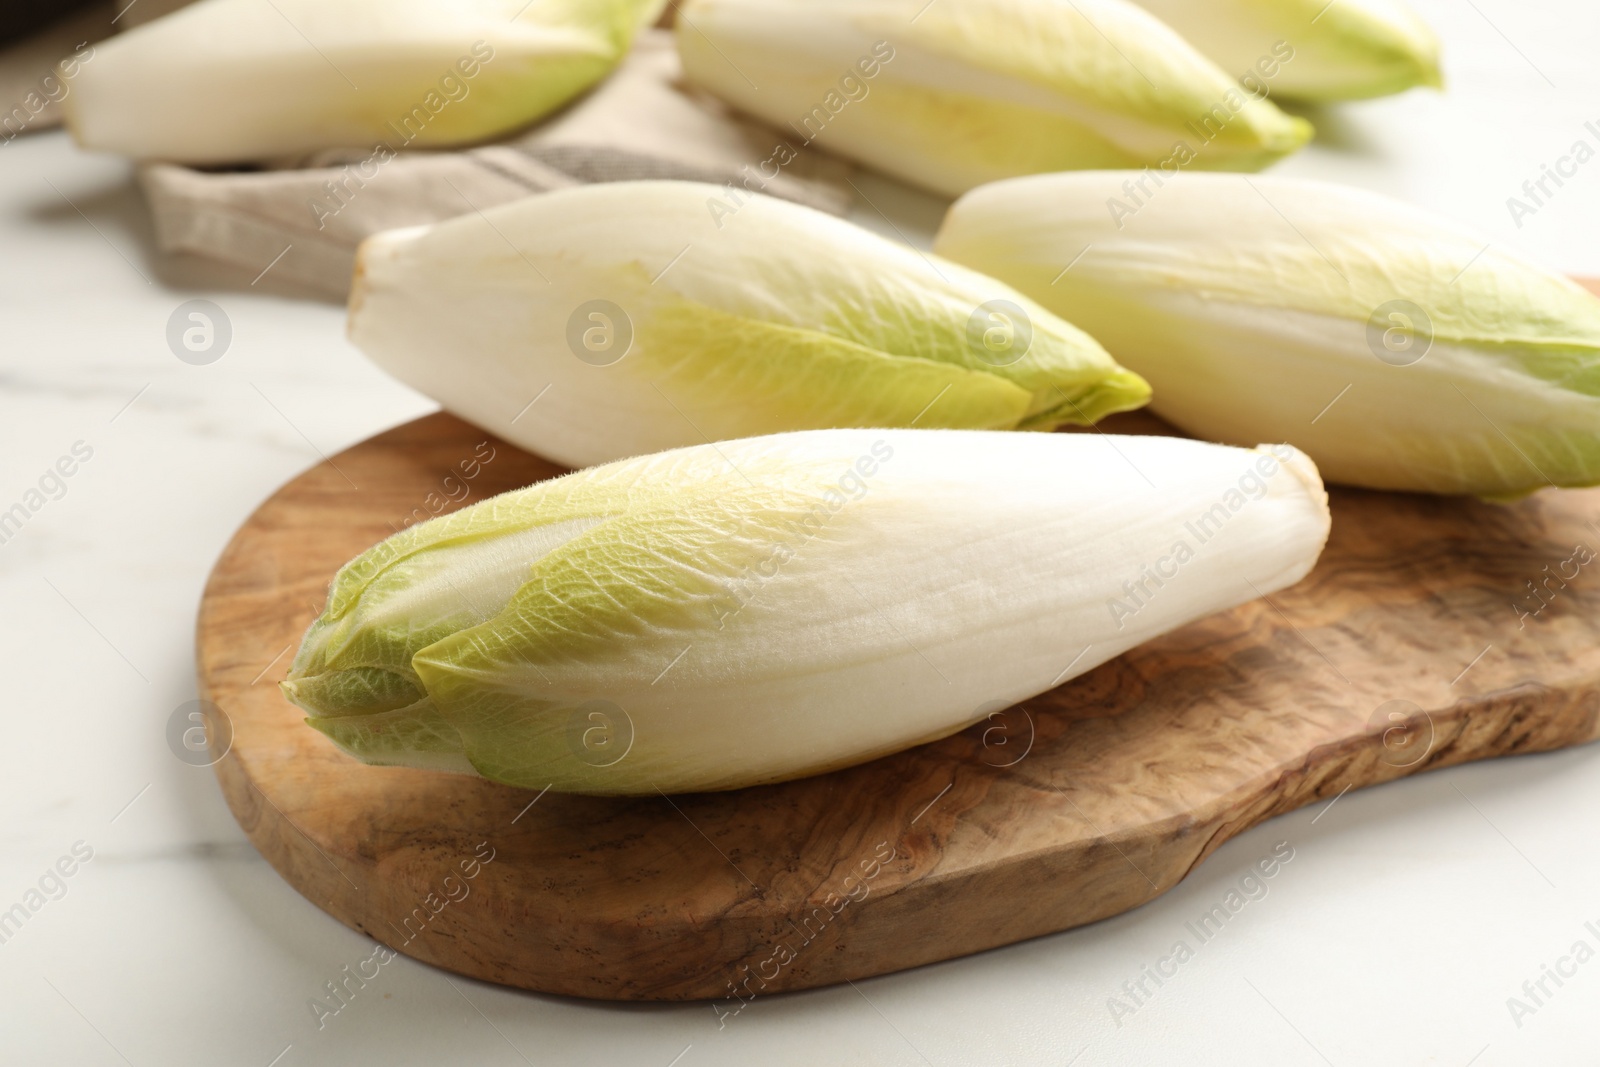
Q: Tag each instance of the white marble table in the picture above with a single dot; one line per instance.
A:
(1395, 936)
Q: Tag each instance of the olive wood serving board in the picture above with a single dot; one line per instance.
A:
(1404, 650)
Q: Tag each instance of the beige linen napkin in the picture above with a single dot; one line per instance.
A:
(307, 218)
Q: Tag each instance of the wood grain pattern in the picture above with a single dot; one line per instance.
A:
(1118, 782)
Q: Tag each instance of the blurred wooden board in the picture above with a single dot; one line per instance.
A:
(1080, 804)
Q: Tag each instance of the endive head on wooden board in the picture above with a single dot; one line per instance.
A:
(722, 616)
(613, 320)
(225, 81)
(956, 93)
(1310, 50)
(1398, 349)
